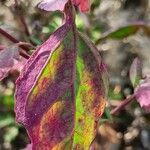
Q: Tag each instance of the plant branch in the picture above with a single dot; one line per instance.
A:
(22, 19)
(8, 36)
(14, 40)
(122, 104)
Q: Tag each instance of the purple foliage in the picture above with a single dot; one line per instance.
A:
(52, 5)
(142, 93)
(10, 60)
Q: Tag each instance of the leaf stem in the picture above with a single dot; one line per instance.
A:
(69, 13)
(122, 104)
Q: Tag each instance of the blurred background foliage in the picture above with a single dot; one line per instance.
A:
(130, 128)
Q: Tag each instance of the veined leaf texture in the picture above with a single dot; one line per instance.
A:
(61, 92)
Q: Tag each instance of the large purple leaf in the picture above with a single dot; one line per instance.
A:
(60, 94)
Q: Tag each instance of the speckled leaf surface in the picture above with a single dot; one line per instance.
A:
(90, 93)
(60, 94)
(43, 91)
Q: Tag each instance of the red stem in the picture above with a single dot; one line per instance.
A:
(122, 104)
(8, 36)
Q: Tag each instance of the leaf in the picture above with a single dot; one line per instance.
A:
(44, 91)
(60, 94)
(142, 94)
(90, 99)
(108, 114)
(10, 60)
(52, 5)
(135, 72)
(123, 32)
(7, 57)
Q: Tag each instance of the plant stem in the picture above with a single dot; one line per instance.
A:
(8, 36)
(69, 13)
(22, 19)
(122, 104)
(14, 40)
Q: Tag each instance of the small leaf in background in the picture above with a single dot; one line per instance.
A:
(142, 93)
(52, 5)
(108, 114)
(8, 56)
(135, 72)
(94, 5)
(10, 60)
(123, 32)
